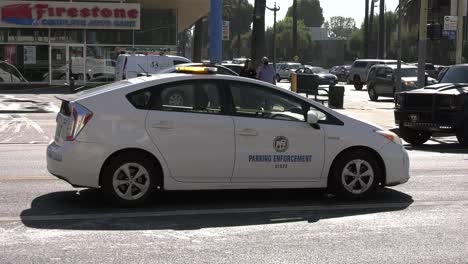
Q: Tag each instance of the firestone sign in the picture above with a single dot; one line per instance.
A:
(69, 15)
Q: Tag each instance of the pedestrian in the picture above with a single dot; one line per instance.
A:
(266, 73)
(248, 70)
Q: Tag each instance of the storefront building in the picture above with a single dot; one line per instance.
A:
(54, 42)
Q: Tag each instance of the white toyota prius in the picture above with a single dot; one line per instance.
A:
(198, 130)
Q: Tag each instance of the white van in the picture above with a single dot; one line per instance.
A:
(130, 65)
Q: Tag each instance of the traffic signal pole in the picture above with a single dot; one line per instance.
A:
(422, 44)
(216, 31)
(460, 12)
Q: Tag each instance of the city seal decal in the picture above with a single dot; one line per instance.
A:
(281, 144)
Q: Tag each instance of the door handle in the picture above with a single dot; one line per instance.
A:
(247, 132)
(164, 125)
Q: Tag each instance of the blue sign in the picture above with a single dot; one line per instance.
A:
(450, 34)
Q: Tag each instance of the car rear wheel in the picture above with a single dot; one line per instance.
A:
(357, 83)
(128, 181)
(278, 78)
(355, 174)
(372, 94)
(414, 137)
(462, 136)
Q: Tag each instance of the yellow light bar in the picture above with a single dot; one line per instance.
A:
(197, 69)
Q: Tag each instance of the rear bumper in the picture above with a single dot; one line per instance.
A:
(77, 163)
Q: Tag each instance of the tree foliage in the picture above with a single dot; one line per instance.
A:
(342, 27)
(309, 11)
(240, 18)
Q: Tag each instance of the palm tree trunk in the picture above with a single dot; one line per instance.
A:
(258, 32)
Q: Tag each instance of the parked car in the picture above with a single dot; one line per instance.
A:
(237, 68)
(382, 80)
(284, 70)
(441, 108)
(360, 69)
(324, 77)
(10, 74)
(129, 139)
(239, 60)
(341, 72)
(130, 65)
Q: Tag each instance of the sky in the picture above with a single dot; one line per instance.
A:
(346, 8)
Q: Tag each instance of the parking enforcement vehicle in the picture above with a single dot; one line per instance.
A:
(129, 139)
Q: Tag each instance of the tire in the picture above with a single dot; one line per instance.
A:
(175, 98)
(357, 83)
(462, 136)
(347, 180)
(373, 96)
(414, 137)
(278, 78)
(116, 181)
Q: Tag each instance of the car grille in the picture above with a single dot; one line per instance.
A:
(420, 101)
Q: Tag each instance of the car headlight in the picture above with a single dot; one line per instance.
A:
(390, 136)
(447, 101)
(409, 84)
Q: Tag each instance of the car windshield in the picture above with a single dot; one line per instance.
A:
(409, 72)
(318, 70)
(456, 75)
(294, 66)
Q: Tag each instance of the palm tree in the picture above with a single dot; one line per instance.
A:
(258, 32)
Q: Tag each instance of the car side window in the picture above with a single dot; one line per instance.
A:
(251, 100)
(308, 71)
(200, 96)
(381, 73)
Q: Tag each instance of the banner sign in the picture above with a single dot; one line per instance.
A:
(226, 30)
(39, 14)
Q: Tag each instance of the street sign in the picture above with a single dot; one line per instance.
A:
(450, 34)
(226, 30)
(450, 23)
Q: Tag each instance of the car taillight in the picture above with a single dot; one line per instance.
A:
(79, 118)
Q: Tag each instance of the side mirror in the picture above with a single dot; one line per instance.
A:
(312, 119)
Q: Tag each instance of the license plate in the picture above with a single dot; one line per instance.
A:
(413, 117)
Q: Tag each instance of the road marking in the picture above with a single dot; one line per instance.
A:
(230, 211)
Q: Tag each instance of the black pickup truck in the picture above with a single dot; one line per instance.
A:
(441, 108)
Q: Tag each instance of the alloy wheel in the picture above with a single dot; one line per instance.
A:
(131, 181)
(357, 176)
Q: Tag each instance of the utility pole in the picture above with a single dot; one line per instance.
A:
(238, 29)
(422, 44)
(366, 30)
(381, 44)
(371, 29)
(398, 79)
(216, 31)
(460, 12)
(274, 9)
(294, 33)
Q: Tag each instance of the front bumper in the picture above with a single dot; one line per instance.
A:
(397, 164)
(434, 121)
(75, 162)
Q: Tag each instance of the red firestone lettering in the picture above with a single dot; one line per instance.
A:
(60, 11)
(95, 11)
(72, 12)
(106, 12)
(85, 12)
(133, 13)
(51, 11)
(40, 10)
(119, 13)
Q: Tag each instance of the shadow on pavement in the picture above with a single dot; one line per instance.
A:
(444, 146)
(201, 209)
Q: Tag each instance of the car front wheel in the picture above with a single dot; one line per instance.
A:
(355, 174)
(414, 137)
(372, 94)
(357, 83)
(128, 181)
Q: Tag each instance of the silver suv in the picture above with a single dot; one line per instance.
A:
(360, 69)
(284, 70)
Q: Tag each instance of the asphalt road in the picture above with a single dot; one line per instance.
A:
(44, 220)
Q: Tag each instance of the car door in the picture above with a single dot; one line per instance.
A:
(380, 80)
(273, 141)
(188, 125)
(389, 82)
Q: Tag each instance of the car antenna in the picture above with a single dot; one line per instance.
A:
(147, 74)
